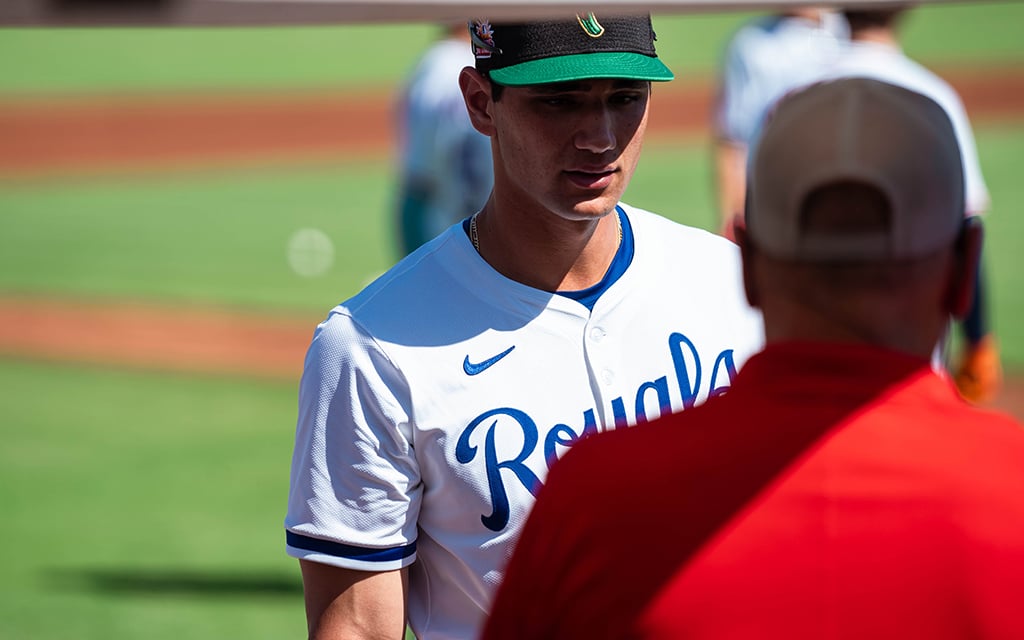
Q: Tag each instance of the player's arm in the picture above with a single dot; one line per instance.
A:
(354, 605)
(731, 178)
(353, 532)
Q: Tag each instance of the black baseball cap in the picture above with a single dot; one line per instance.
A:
(567, 50)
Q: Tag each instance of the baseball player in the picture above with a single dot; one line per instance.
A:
(434, 401)
(764, 59)
(445, 163)
(842, 488)
(874, 52)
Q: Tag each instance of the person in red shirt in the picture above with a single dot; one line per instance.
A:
(841, 488)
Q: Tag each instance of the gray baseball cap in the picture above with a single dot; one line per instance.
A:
(861, 130)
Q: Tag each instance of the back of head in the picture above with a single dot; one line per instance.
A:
(583, 47)
(855, 203)
(888, 139)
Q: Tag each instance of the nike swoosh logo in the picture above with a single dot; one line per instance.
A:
(473, 369)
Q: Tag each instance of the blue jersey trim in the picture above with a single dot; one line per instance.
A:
(340, 550)
(623, 257)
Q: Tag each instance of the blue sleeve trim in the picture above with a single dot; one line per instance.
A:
(340, 550)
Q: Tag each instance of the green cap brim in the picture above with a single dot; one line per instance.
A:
(583, 66)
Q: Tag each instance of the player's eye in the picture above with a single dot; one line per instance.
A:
(557, 101)
(625, 98)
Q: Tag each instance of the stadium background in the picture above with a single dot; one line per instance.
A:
(179, 207)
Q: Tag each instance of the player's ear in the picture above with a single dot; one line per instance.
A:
(476, 91)
(747, 256)
(963, 278)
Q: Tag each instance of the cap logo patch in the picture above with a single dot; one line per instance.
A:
(482, 34)
(590, 25)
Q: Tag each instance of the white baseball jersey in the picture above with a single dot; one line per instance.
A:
(435, 400)
(889, 64)
(765, 59)
(440, 150)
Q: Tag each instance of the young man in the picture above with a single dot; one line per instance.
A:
(841, 488)
(874, 52)
(434, 401)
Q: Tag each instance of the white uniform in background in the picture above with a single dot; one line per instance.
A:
(446, 390)
(888, 63)
(446, 168)
(767, 58)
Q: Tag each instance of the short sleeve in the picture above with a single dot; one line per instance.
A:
(355, 486)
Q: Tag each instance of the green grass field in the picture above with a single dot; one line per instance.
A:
(142, 504)
(221, 238)
(87, 60)
(215, 239)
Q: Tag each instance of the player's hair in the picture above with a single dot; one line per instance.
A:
(885, 18)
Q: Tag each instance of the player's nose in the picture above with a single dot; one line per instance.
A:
(596, 130)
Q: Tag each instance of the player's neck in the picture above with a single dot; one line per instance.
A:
(907, 326)
(547, 252)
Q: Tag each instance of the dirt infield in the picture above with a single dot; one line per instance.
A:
(123, 135)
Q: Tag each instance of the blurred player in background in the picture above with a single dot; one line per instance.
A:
(874, 52)
(446, 171)
(763, 60)
(433, 402)
(841, 488)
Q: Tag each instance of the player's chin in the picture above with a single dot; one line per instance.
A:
(592, 199)
(596, 205)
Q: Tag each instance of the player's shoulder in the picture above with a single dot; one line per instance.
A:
(889, 64)
(650, 226)
(409, 304)
(418, 283)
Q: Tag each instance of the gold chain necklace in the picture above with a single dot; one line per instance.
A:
(474, 236)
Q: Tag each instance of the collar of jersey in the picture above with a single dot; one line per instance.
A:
(623, 257)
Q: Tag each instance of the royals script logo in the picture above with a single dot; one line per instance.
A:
(688, 378)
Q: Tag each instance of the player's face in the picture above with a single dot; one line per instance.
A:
(570, 147)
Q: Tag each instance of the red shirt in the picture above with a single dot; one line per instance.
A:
(834, 491)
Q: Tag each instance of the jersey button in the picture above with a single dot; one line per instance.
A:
(607, 377)
(596, 334)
